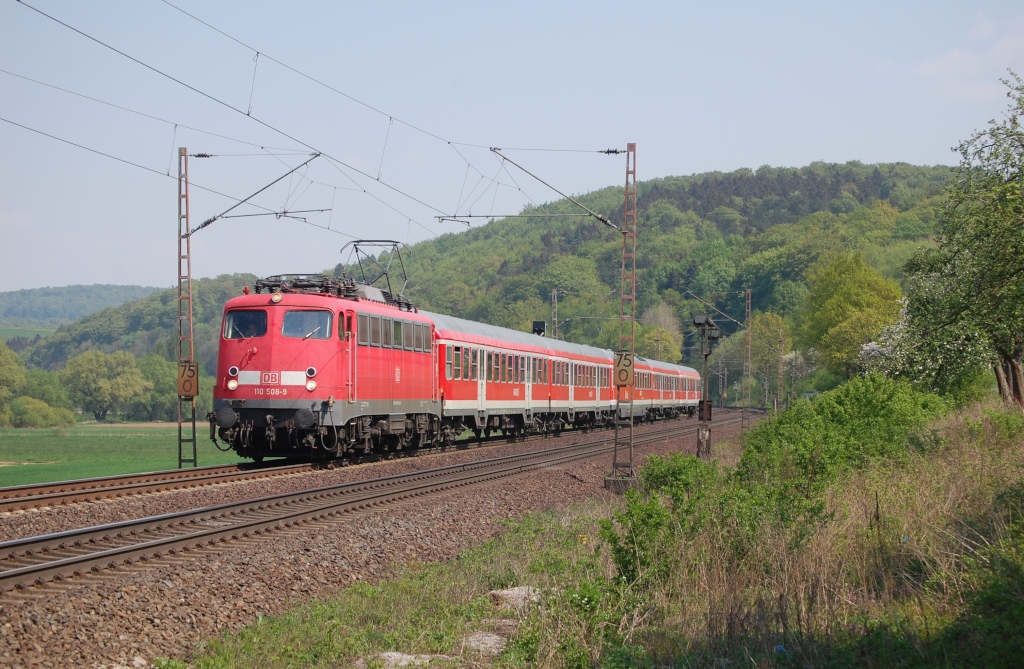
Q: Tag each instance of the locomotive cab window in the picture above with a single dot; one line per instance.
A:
(245, 323)
(307, 324)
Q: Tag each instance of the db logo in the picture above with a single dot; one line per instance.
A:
(398, 374)
(270, 377)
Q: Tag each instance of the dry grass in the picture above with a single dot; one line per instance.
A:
(894, 552)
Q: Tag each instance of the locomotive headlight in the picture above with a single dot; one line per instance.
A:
(232, 384)
(232, 371)
(311, 372)
(275, 298)
(311, 385)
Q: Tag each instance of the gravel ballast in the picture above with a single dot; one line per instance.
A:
(165, 608)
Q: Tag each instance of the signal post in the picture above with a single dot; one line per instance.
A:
(709, 332)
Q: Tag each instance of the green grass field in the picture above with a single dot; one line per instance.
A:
(9, 333)
(85, 451)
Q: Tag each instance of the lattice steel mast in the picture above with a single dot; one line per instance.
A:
(188, 377)
(623, 468)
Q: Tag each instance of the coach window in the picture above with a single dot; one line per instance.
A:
(457, 366)
(467, 355)
(448, 363)
(490, 366)
(473, 364)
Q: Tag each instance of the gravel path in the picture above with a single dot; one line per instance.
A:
(139, 613)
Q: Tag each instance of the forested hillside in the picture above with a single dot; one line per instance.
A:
(52, 307)
(144, 326)
(713, 234)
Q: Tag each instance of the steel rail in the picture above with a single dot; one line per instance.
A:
(37, 495)
(59, 493)
(36, 560)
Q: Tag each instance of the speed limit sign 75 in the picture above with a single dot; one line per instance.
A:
(188, 379)
(624, 368)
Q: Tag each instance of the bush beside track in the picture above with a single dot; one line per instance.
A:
(867, 527)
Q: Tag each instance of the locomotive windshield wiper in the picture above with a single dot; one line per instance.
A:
(311, 333)
(240, 333)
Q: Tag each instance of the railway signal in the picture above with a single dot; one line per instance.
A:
(709, 332)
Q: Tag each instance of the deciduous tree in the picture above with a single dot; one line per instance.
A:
(848, 305)
(12, 376)
(966, 302)
(99, 382)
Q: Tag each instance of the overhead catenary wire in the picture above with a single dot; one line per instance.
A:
(334, 161)
(363, 103)
(228, 105)
(147, 169)
(711, 306)
(603, 219)
(210, 220)
(391, 117)
(151, 116)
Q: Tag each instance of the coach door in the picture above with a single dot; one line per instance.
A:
(481, 383)
(531, 374)
(572, 386)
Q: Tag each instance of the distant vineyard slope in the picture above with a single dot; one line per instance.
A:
(49, 308)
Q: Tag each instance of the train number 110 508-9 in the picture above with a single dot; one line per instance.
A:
(274, 392)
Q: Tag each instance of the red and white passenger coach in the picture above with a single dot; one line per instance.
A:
(315, 366)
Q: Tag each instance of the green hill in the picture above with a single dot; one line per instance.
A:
(49, 308)
(713, 234)
(148, 324)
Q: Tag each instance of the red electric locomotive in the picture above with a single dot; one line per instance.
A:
(316, 366)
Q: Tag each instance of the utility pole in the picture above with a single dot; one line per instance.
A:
(554, 312)
(623, 476)
(188, 370)
(725, 386)
(781, 389)
(748, 367)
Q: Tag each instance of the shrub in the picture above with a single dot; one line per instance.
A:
(29, 412)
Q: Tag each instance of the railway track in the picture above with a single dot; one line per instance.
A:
(35, 496)
(68, 492)
(35, 561)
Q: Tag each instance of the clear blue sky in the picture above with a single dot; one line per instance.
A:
(698, 86)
